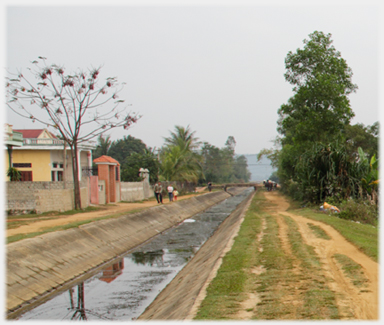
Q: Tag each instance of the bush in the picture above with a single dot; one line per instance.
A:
(359, 210)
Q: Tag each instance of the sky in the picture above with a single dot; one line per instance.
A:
(217, 67)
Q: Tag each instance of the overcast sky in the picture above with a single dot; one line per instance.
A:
(217, 68)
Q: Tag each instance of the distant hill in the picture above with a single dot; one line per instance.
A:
(260, 170)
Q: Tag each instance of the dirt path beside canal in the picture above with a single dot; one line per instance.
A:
(181, 298)
(107, 210)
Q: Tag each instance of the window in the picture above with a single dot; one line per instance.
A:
(26, 176)
(57, 175)
(22, 165)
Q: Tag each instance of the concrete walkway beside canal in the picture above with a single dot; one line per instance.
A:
(39, 266)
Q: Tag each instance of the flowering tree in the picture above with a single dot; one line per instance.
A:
(79, 105)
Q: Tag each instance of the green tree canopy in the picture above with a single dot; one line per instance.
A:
(131, 166)
(122, 148)
(322, 80)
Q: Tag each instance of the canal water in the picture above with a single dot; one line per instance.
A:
(124, 289)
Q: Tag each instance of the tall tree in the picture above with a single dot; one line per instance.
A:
(79, 105)
(322, 80)
(184, 138)
(319, 110)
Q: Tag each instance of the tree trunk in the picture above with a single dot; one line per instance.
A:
(76, 183)
(64, 166)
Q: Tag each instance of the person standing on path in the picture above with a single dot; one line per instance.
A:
(170, 192)
(175, 194)
(158, 190)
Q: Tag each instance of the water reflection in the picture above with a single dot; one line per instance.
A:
(148, 258)
(79, 309)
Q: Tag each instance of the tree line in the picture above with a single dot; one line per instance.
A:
(182, 158)
(319, 154)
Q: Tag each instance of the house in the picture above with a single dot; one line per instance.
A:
(43, 157)
(12, 139)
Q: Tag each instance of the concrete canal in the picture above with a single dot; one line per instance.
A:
(125, 288)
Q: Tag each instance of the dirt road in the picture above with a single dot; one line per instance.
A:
(108, 210)
(353, 302)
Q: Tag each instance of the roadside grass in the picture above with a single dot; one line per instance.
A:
(226, 291)
(363, 236)
(318, 231)
(352, 270)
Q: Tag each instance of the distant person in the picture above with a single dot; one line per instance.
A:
(158, 190)
(170, 192)
(175, 194)
(209, 186)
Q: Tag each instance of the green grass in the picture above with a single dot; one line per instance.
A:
(352, 270)
(363, 236)
(226, 291)
(318, 231)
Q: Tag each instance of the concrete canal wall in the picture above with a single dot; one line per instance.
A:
(39, 266)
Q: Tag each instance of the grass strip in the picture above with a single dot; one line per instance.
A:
(318, 231)
(352, 270)
(226, 291)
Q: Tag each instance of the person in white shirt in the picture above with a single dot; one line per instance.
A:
(170, 192)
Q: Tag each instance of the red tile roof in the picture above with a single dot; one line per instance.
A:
(32, 133)
(106, 159)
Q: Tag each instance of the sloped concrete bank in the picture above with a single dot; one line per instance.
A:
(38, 267)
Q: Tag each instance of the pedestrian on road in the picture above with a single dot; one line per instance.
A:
(170, 192)
(209, 186)
(175, 194)
(158, 190)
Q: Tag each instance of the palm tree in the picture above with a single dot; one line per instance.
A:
(179, 159)
(180, 164)
(184, 138)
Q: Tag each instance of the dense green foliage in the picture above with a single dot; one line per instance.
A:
(132, 154)
(183, 158)
(320, 155)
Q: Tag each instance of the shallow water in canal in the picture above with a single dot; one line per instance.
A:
(128, 286)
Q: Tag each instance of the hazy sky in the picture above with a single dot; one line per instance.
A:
(218, 68)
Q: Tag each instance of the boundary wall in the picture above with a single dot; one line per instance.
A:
(36, 267)
(42, 197)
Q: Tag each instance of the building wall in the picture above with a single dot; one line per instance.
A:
(40, 160)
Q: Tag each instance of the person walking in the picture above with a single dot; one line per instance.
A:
(175, 194)
(209, 186)
(158, 190)
(170, 192)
